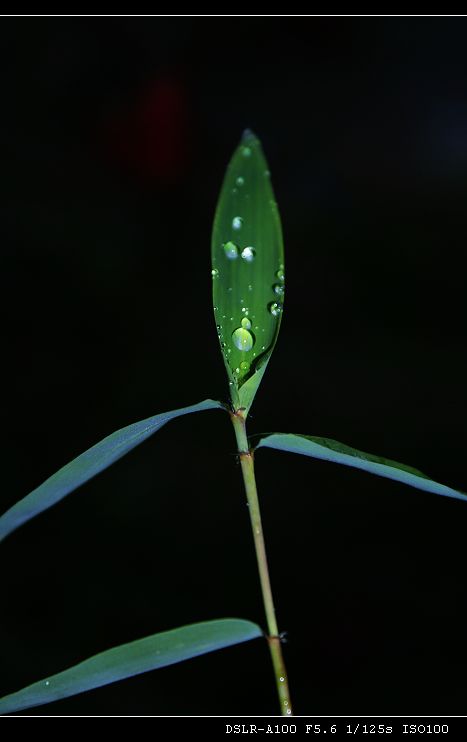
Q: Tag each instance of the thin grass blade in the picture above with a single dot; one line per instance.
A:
(329, 450)
(88, 464)
(134, 658)
(247, 269)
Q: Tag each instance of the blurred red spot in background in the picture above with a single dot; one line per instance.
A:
(151, 137)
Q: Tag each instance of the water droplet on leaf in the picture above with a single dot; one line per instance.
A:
(248, 254)
(237, 222)
(230, 250)
(240, 181)
(243, 339)
(244, 366)
(280, 275)
(246, 151)
(275, 308)
(278, 289)
(215, 273)
(246, 323)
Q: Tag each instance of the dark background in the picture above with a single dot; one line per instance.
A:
(115, 136)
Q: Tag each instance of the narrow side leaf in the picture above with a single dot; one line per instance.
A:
(247, 269)
(329, 450)
(158, 650)
(90, 463)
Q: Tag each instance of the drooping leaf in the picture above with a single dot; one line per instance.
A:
(134, 658)
(90, 463)
(329, 450)
(247, 269)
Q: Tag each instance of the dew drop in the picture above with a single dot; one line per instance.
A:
(230, 250)
(289, 712)
(246, 323)
(240, 181)
(278, 289)
(275, 308)
(243, 339)
(244, 366)
(47, 682)
(248, 254)
(280, 275)
(215, 273)
(246, 151)
(237, 222)
(281, 679)
(250, 287)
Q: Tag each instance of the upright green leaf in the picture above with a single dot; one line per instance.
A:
(134, 658)
(329, 450)
(247, 269)
(90, 463)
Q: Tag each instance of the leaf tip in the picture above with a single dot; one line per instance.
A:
(248, 136)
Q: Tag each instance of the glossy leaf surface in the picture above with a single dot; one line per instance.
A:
(134, 658)
(329, 450)
(90, 463)
(247, 269)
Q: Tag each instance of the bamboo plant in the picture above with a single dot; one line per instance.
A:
(248, 280)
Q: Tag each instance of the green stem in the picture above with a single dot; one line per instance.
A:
(248, 471)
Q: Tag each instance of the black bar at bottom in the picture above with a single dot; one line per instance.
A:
(314, 726)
